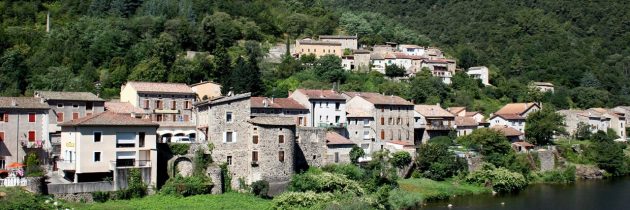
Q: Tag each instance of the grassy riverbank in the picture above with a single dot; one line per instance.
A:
(431, 190)
(223, 201)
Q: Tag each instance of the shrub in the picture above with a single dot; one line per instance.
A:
(435, 162)
(33, 168)
(296, 200)
(260, 188)
(351, 171)
(443, 140)
(324, 182)
(16, 198)
(201, 161)
(501, 179)
(400, 159)
(186, 186)
(356, 153)
(400, 199)
(226, 178)
(559, 176)
(179, 149)
(136, 187)
(100, 197)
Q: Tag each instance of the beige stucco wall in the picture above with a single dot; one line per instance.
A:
(208, 89)
(129, 94)
(318, 49)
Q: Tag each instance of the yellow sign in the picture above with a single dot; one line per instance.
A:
(69, 144)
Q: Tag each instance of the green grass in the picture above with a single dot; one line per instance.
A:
(564, 145)
(223, 201)
(434, 190)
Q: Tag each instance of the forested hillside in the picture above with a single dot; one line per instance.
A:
(97, 45)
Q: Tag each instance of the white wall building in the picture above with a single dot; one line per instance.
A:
(481, 73)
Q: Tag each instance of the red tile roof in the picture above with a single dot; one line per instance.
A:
(403, 143)
(160, 87)
(109, 119)
(456, 109)
(507, 131)
(122, 107)
(333, 138)
(515, 108)
(509, 116)
(380, 99)
(465, 121)
(278, 103)
(321, 94)
(358, 113)
(22, 103)
(432, 111)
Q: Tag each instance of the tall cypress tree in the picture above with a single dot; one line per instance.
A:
(222, 67)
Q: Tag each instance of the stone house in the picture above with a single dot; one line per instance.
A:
(168, 104)
(442, 68)
(108, 144)
(378, 62)
(374, 119)
(597, 119)
(481, 73)
(410, 49)
(431, 121)
(626, 112)
(317, 48)
(327, 108)
(23, 129)
(510, 133)
(262, 106)
(311, 148)
(206, 90)
(338, 148)
(465, 125)
(66, 106)
(272, 149)
(513, 115)
(542, 86)
(361, 60)
(347, 42)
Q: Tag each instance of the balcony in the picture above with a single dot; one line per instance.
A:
(438, 127)
(331, 125)
(32, 144)
(129, 163)
(166, 111)
(67, 165)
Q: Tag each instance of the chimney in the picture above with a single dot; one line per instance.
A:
(13, 102)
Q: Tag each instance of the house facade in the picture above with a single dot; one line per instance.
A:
(337, 148)
(431, 121)
(206, 90)
(347, 42)
(317, 48)
(513, 115)
(327, 108)
(108, 145)
(168, 104)
(481, 73)
(543, 86)
(597, 119)
(287, 107)
(23, 129)
(375, 119)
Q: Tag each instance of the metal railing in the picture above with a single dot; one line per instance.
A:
(32, 144)
(331, 125)
(438, 127)
(129, 163)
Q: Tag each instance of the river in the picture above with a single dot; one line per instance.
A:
(606, 194)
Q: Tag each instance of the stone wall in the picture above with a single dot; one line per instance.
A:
(547, 160)
(85, 187)
(474, 163)
(311, 147)
(270, 165)
(75, 197)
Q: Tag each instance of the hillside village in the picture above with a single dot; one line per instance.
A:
(81, 139)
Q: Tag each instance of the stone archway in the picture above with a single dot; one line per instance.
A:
(182, 165)
(166, 138)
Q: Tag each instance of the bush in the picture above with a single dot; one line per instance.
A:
(501, 179)
(559, 176)
(33, 169)
(201, 161)
(100, 197)
(435, 162)
(16, 198)
(296, 200)
(356, 153)
(400, 159)
(179, 149)
(400, 199)
(443, 140)
(260, 188)
(186, 186)
(135, 186)
(318, 181)
(351, 171)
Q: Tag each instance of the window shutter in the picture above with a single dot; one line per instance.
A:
(1, 136)
(6, 117)
(224, 137)
(234, 137)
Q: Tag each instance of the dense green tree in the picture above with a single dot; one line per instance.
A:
(542, 125)
(487, 141)
(435, 161)
(329, 68)
(395, 71)
(355, 153)
(467, 58)
(150, 70)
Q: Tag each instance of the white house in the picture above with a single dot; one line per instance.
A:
(327, 108)
(513, 115)
(480, 73)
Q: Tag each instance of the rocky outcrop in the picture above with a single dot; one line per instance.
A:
(588, 172)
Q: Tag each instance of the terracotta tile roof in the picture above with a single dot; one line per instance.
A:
(122, 107)
(399, 55)
(67, 96)
(432, 111)
(333, 138)
(278, 103)
(379, 99)
(22, 103)
(515, 108)
(471, 114)
(160, 87)
(321, 94)
(314, 42)
(509, 116)
(604, 111)
(410, 46)
(456, 109)
(465, 121)
(109, 119)
(264, 120)
(223, 99)
(417, 57)
(204, 82)
(358, 113)
(507, 131)
(403, 143)
(377, 56)
(389, 56)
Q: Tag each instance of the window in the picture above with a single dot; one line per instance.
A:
(141, 137)
(281, 156)
(337, 119)
(75, 106)
(159, 117)
(2, 162)
(382, 134)
(281, 139)
(186, 118)
(173, 105)
(389, 121)
(336, 157)
(59, 105)
(229, 137)
(187, 104)
(158, 104)
(327, 105)
(1, 138)
(382, 121)
(97, 136)
(60, 117)
(255, 139)
(146, 103)
(229, 160)
(4, 117)
(31, 117)
(31, 136)
(75, 115)
(337, 106)
(88, 106)
(254, 156)
(366, 122)
(97, 156)
(125, 139)
(228, 117)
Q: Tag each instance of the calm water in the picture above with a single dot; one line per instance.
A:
(600, 194)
